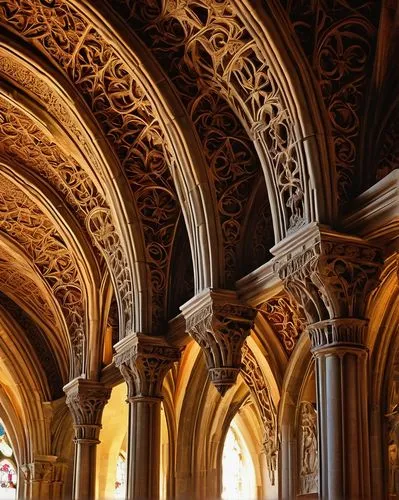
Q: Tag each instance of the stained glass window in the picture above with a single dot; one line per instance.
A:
(8, 469)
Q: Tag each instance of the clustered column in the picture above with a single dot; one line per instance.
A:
(331, 276)
(86, 400)
(144, 362)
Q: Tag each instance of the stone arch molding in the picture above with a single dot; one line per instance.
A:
(258, 99)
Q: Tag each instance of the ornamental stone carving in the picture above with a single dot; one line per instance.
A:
(286, 319)
(308, 451)
(260, 391)
(144, 361)
(24, 222)
(339, 39)
(220, 324)
(232, 95)
(86, 400)
(21, 139)
(127, 117)
(331, 276)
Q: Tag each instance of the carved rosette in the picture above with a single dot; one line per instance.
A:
(220, 325)
(331, 276)
(144, 361)
(86, 400)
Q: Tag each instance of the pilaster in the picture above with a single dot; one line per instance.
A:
(219, 323)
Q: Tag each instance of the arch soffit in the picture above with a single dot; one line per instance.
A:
(383, 338)
(301, 97)
(61, 101)
(210, 230)
(20, 281)
(253, 98)
(34, 232)
(294, 377)
(121, 126)
(193, 185)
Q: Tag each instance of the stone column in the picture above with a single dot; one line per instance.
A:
(219, 323)
(331, 276)
(86, 400)
(144, 362)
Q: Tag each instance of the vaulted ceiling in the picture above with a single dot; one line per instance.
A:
(152, 148)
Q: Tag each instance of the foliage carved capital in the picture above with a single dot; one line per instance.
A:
(144, 361)
(86, 400)
(219, 323)
(331, 275)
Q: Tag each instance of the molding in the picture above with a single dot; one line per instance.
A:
(259, 285)
(375, 213)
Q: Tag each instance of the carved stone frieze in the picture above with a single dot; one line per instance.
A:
(144, 361)
(331, 276)
(260, 391)
(308, 450)
(286, 319)
(339, 39)
(220, 324)
(86, 400)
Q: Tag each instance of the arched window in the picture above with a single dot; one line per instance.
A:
(238, 469)
(8, 468)
(120, 479)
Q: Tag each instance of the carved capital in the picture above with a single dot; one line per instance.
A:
(220, 325)
(330, 275)
(341, 331)
(86, 400)
(144, 361)
(41, 469)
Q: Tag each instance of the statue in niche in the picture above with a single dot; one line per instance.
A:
(393, 452)
(308, 466)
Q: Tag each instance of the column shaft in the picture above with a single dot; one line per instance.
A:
(85, 469)
(144, 448)
(343, 424)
